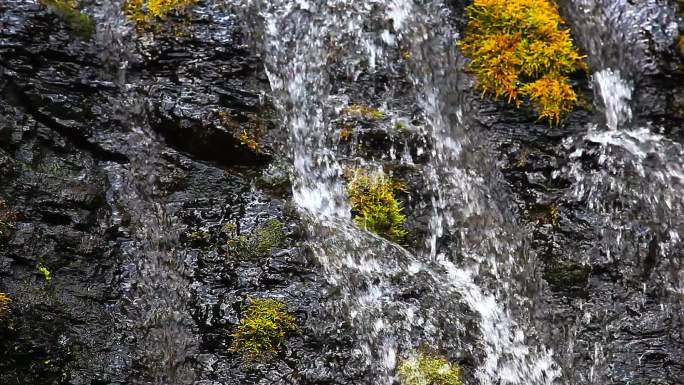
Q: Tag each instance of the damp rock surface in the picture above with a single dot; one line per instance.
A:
(143, 168)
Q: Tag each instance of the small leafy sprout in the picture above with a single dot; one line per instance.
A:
(517, 49)
(365, 112)
(249, 140)
(68, 10)
(5, 302)
(144, 12)
(428, 370)
(263, 328)
(46, 273)
(374, 206)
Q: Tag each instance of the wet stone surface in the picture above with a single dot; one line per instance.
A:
(125, 177)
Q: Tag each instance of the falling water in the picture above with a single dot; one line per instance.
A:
(303, 42)
(153, 278)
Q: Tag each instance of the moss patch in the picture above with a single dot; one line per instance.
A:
(144, 12)
(518, 50)
(429, 370)
(366, 112)
(567, 275)
(260, 242)
(374, 205)
(5, 302)
(69, 11)
(263, 328)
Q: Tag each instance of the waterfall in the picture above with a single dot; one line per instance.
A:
(310, 45)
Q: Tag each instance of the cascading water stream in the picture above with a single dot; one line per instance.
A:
(153, 278)
(302, 41)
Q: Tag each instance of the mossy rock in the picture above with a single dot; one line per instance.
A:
(68, 10)
(563, 275)
(375, 206)
(263, 328)
(425, 369)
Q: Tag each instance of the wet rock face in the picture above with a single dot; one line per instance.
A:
(124, 180)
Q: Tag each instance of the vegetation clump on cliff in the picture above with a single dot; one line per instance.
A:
(428, 370)
(5, 302)
(143, 12)
(518, 50)
(263, 328)
(374, 205)
(69, 11)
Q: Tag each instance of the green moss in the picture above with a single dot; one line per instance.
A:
(144, 12)
(518, 50)
(567, 274)
(69, 11)
(362, 111)
(429, 370)
(46, 273)
(263, 328)
(374, 206)
(260, 242)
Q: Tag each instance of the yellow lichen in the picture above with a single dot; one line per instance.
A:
(518, 50)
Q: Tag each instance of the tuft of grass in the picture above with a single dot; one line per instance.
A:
(429, 370)
(374, 205)
(517, 49)
(69, 11)
(144, 12)
(263, 328)
(362, 111)
(5, 302)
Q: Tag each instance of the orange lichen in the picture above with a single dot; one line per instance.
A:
(518, 50)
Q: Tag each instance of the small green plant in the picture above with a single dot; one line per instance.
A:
(263, 328)
(144, 12)
(680, 45)
(365, 112)
(374, 205)
(46, 273)
(429, 370)
(517, 49)
(5, 302)
(260, 242)
(69, 11)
